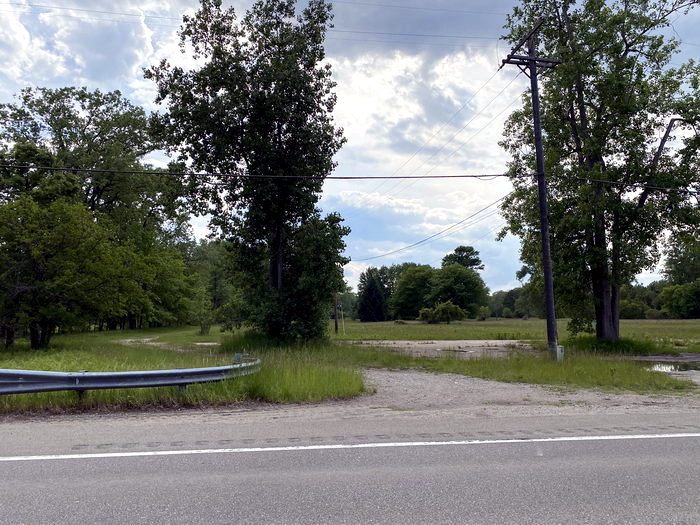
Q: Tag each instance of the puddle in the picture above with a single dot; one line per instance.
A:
(674, 367)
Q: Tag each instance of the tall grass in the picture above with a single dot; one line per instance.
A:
(297, 373)
(288, 374)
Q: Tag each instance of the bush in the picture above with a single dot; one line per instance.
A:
(507, 313)
(682, 301)
(632, 309)
(652, 313)
(442, 313)
(483, 313)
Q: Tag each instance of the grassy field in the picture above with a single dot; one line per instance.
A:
(308, 373)
(287, 375)
(655, 335)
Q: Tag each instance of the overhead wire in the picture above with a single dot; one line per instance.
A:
(454, 135)
(144, 16)
(433, 236)
(436, 133)
(419, 8)
(486, 176)
(488, 231)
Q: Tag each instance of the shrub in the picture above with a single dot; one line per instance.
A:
(632, 309)
(442, 313)
(483, 313)
(652, 313)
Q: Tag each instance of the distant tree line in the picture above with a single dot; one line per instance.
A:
(413, 291)
(676, 296)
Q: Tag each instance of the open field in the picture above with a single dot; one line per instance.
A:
(294, 373)
(669, 333)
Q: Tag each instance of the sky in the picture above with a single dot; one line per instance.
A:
(419, 93)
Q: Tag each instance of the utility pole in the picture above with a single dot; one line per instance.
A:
(529, 64)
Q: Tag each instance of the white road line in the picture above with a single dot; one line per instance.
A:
(302, 448)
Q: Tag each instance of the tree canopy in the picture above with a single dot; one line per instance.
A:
(466, 256)
(258, 109)
(119, 228)
(621, 148)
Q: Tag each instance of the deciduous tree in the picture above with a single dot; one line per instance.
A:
(622, 161)
(466, 256)
(258, 108)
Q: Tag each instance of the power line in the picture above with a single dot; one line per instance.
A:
(96, 11)
(427, 35)
(445, 123)
(429, 238)
(484, 177)
(443, 10)
(638, 185)
(117, 13)
(460, 45)
(462, 129)
(487, 176)
(473, 242)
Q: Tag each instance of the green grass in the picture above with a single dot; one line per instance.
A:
(415, 331)
(638, 336)
(581, 369)
(287, 374)
(309, 373)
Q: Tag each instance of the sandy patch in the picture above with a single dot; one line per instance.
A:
(464, 348)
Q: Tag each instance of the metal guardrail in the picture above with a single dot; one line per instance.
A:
(30, 381)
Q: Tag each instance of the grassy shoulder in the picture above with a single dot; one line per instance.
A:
(289, 374)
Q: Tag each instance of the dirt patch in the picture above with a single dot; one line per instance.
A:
(150, 341)
(464, 348)
(421, 391)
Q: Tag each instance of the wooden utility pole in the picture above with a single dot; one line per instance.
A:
(529, 64)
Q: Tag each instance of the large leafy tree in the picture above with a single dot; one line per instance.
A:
(621, 148)
(462, 286)
(81, 129)
(75, 129)
(58, 268)
(70, 130)
(372, 297)
(258, 108)
(683, 259)
(412, 288)
(467, 256)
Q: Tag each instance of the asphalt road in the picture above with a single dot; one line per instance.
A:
(641, 480)
(369, 460)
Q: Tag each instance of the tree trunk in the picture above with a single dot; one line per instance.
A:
(46, 331)
(276, 258)
(606, 298)
(605, 294)
(9, 335)
(34, 335)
